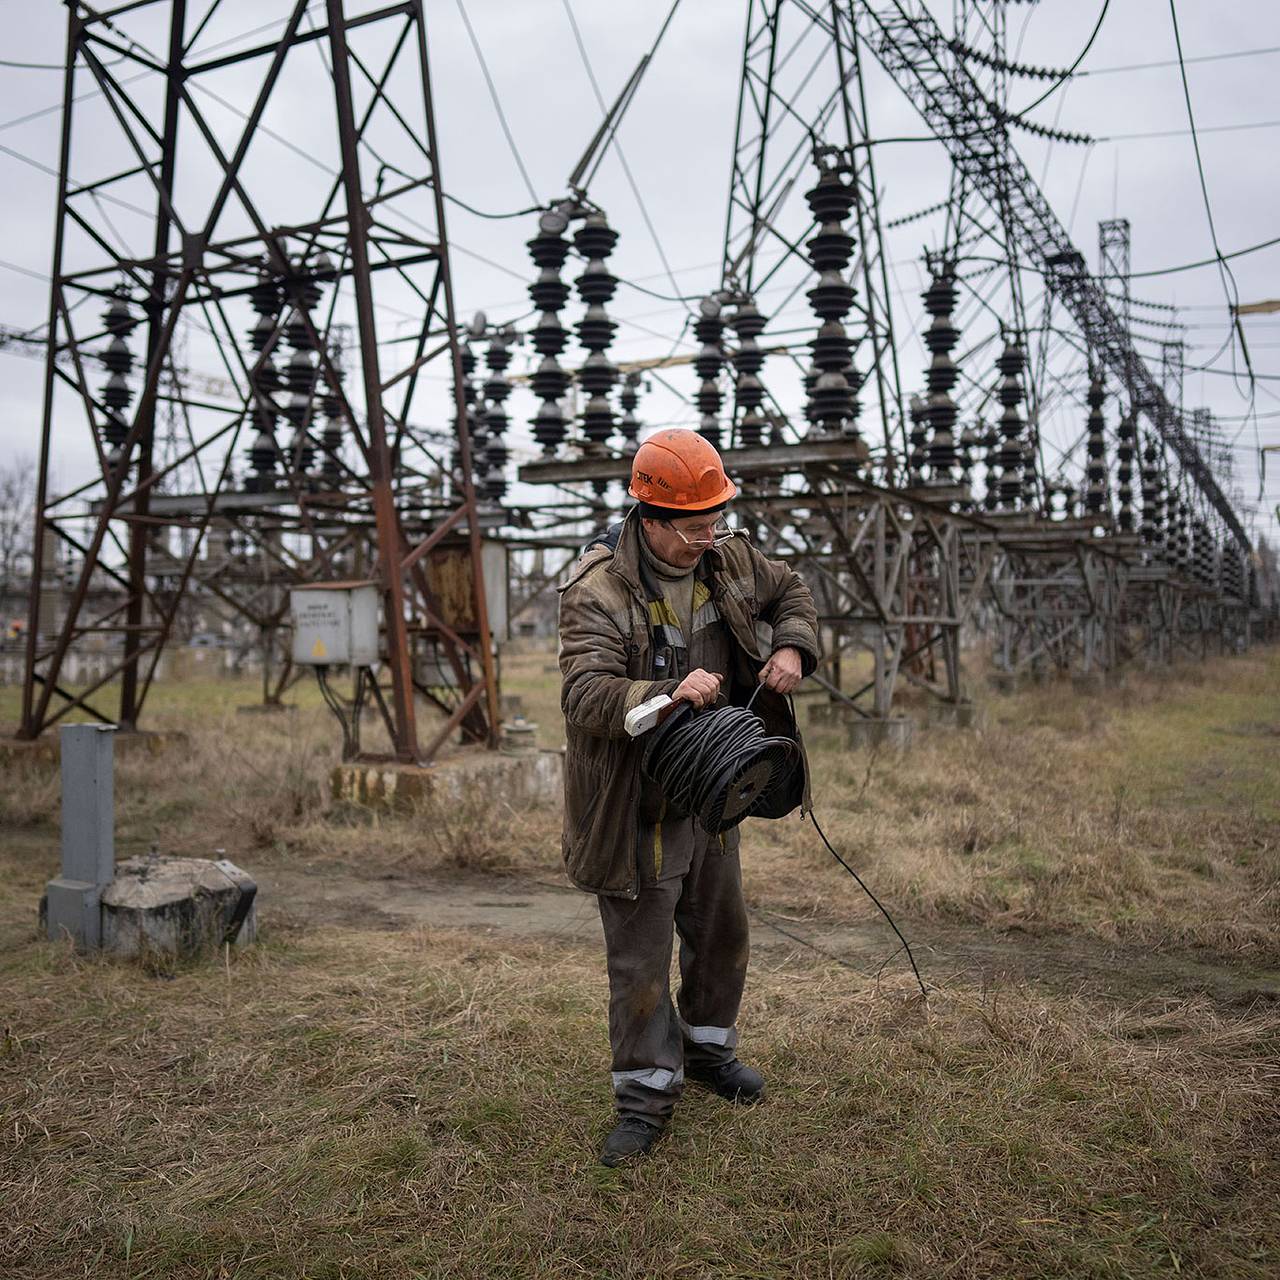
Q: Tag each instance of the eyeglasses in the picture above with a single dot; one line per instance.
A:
(714, 534)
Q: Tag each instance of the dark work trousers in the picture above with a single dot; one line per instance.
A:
(698, 892)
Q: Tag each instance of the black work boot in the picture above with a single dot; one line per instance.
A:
(631, 1138)
(733, 1080)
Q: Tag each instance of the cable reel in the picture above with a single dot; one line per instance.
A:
(719, 765)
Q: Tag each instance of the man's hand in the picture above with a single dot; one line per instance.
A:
(698, 687)
(783, 671)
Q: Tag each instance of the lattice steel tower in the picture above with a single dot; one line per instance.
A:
(177, 216)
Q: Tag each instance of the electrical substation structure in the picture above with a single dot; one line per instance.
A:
(1033, 483)
(875, 495)
(269, 275)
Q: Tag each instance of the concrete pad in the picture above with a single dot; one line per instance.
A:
(533, 777)
(177, 907)
(895, 733)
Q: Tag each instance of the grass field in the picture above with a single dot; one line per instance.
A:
(350, 1100)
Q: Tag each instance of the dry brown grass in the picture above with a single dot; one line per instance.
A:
(427, 1104)
(1150, 816)
(343, 1103)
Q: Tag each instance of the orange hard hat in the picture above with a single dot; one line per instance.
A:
(678, 469)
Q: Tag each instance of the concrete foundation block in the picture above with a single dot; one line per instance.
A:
(72, 909)
(894, 733)
(529, 778)
(955, 715)
(42, 750)
(177, 907)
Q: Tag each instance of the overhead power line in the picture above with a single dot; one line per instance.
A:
(617, 145)
(1207, 57)
(1070, 71)
(1186, 133)
(50, 66)
(1144, 275)
(1229, 287)
(497, 102)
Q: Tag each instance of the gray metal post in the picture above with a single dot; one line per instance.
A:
(88, 834)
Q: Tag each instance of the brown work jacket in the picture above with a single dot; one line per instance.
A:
(606, 665)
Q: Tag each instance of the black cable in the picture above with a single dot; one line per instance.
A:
(662, 297)
(1227, 277)
(1053, 88)
(697, 756)
(862, 884)
(617, 145)
(497, 217)
(497, 102)
(1143, 275)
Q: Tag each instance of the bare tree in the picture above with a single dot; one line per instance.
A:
(17, 503)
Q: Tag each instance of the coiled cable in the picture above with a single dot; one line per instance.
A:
(721, 766)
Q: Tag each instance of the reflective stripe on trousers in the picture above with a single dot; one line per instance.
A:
(651, 1042)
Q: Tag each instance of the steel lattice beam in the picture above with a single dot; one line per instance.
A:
(205, 252)
(915, 52)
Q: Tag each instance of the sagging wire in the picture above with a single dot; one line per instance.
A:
(737, 732)
(884, 911)
(1225, 274)
(622, 159)
(496, 217)
(1071, 70)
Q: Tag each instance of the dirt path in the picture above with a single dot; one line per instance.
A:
(946, 954)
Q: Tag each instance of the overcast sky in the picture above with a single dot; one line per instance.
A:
(678, 137)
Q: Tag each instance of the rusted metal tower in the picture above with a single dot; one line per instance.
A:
(174, 216)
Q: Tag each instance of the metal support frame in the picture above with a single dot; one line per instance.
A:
(202, 257)
(912, 48)
(1058, 602)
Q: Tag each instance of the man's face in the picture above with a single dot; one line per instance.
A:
(683, 541)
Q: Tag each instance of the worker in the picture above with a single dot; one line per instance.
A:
(670, 600)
